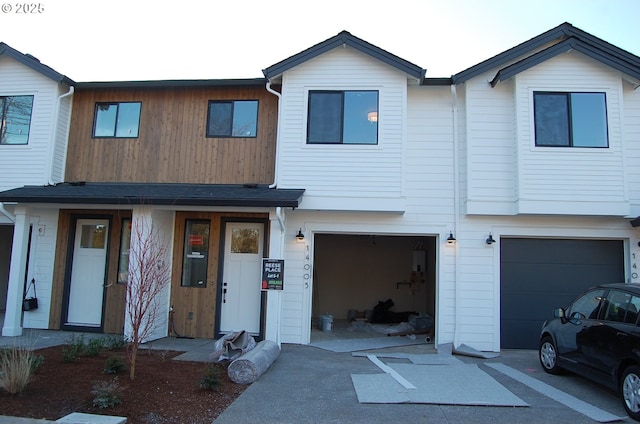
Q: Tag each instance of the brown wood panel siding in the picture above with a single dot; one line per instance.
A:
(172, 145)
(115, 294)
(200, 302)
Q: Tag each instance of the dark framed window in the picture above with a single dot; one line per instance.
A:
(195, 258)
(236, 118)
(117, 120)
(570, 119)
(342, 117)
(125, 248)
(15, 119)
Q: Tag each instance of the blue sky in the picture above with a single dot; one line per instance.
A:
(207, 39)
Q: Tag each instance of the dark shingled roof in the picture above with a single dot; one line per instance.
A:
(34, 63)
(238, 195)
(345, 38)
(574, 38)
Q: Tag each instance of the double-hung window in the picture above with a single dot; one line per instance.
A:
(237, 118)
(342, 117)
(565, 119)
(15, 119)
(117, 120)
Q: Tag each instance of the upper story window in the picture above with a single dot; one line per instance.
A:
(15, 119)
(570, 119)
(342, 117)
(237, 118)
(117, 120)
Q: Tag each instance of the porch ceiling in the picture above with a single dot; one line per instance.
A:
(247, 195)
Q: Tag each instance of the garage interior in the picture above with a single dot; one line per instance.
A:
(352, 273)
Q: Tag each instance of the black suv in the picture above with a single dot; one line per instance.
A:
(598, 337)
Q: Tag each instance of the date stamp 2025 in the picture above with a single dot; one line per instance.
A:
(22, 8)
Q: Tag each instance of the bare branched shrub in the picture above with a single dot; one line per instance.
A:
(149, 275)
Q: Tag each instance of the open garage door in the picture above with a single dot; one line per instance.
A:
(539, 275)
(352, 273)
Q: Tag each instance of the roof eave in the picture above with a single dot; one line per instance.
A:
(563, 47)
(34, 64)
(344, 38)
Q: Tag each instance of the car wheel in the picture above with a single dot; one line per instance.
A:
(630, 391)
(549, 356)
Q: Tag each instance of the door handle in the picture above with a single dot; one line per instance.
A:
(224, 293)
(621, 335)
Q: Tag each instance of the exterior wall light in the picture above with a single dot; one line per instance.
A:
(490, 240)
(451, 239)
(300, 236)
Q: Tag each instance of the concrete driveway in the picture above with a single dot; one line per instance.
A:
(310, 385)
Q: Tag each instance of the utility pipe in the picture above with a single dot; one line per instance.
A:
(6, 213)
(277, 158)
(54, 134)
(456, 212)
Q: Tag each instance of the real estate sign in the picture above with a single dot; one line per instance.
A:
(272, 274)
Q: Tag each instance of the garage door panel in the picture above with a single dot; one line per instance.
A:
(521, 333)
(539, 275)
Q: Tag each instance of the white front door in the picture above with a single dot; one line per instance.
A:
(241, 292)
(88, 269)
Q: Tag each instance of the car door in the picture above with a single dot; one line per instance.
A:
(575, 330)
(615, 336)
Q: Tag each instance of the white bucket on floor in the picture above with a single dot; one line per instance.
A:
(326, 322)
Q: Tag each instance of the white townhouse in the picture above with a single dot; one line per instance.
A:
(35, 109)
(486, 199)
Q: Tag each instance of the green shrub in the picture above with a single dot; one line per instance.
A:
(93, 347)
(115, 342)
(108, 393)
(73, 349)
(114, 365)
(17, 364)
(36, 361)
(211, 379)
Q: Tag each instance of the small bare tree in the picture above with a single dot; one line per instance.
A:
(149, 275)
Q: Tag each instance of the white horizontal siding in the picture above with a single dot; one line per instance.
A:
(631, 137)
(28, 164)
(43, 246)
(491, 168)
(571, 180)
(342, 171)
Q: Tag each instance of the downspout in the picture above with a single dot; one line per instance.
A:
(456, 222)
(54, 135)
(275, 170)
(6, 213)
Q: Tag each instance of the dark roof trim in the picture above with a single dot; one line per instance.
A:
(248, 82)
(34, 63)
(437, 81)
(236, 195)
(565, 30)
(345, 38)
(563, 47)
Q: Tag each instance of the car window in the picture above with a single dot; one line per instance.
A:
(587, 305)
(615, 306)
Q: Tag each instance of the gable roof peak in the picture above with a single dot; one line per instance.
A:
(564, 37)
(345, 38)
(34, 63)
